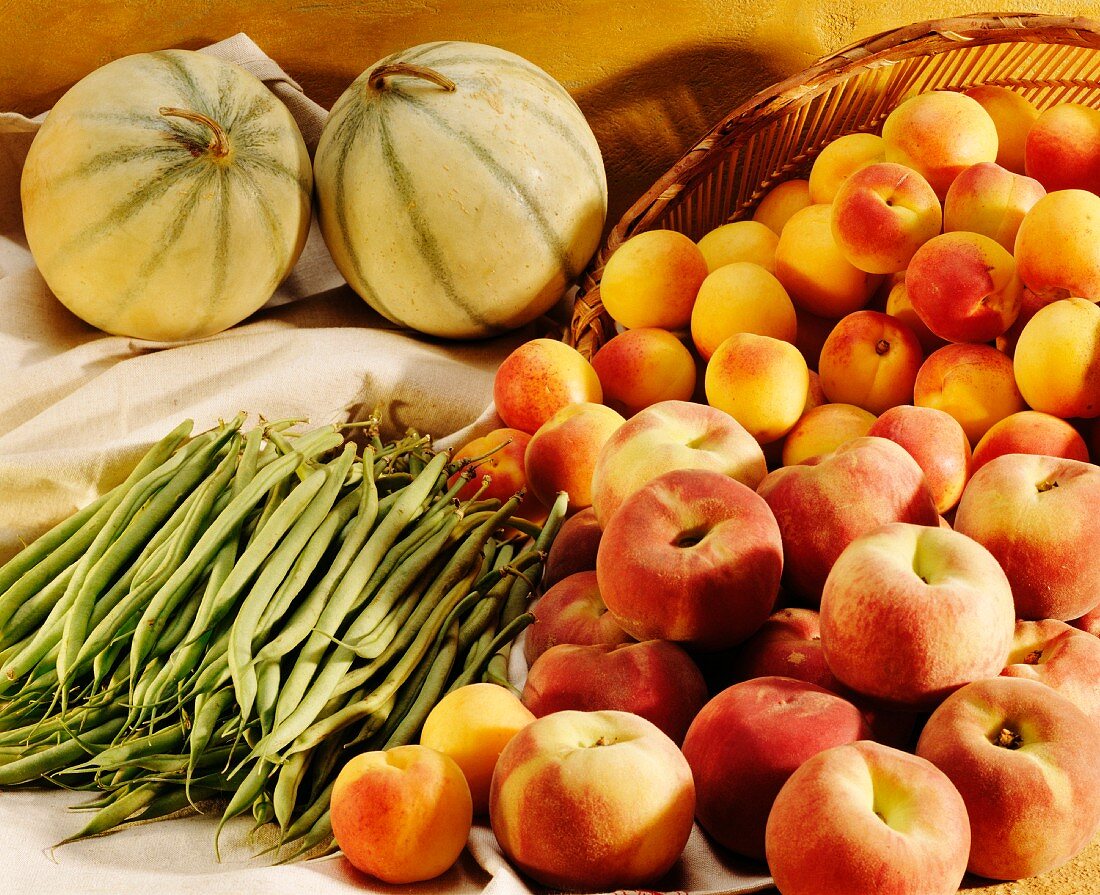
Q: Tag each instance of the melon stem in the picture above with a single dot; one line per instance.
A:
(219, 143)
(377, 78)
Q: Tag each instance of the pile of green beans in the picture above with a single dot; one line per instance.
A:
(246, 611)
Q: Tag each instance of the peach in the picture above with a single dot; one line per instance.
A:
(693, 556)
(574, 548)
(937, 442)
(402, 815)
(1057, 359)
(781, 202)
(813, 269)
(667, 436)
(504, 469)
(910, 613)
(823, 429)
(811, 335)
(562, 453)
(761, 382)
(640, 367)
(737, 298)
(871, 360)
(898, 305)
(990, 200)
(747, 741)
(740, 241)
(882, 214)
(1026, 761)
(567, 808)
(1030, 432)
(1035, 514)
(839, 160)
(572, 611)
(973, 383)
(472, 725)
(964, 287)
(1013, 115)
(866, 819)
(651, 280)
(788, 644)
(939, 134)
(1089, 622)
(827, 502)
(538, 379)
(1062, 657)
(1058, 246)
(1063, 148)
(654, 679)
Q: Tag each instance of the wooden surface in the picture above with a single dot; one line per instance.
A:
(651, 75)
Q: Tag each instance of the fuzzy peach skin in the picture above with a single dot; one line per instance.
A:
(823, 429)
(572, 611)
(811, 336)
(937, 442)
(870, 360)
(940, 134)
(1037, 516)
(1063, 148)
(1013, 115)
(1060, 656)
(1030, 432)
(667, 436)
(813, 269)
(839, 160)
(574, 548)
(898, 305)
(402, 815)
(882, 214)
(788, 644)
(1057, 359)
(761, 382)
(567, 808)
(974, 383)
(562, 453)
(640, 367)
(824, 504)
(740, 241)
(781, 202)
(538, 379)
(737, 298)
(654, 679)
(867, 819)
(1058, 246)
(964, 287)
(746, 743)
(1026, 761)
(990, 200)
(694, 557)
(651, 280)
(472, 725)
(911, 612)
(504, 469)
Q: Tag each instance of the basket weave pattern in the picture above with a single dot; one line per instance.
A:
(778, 133)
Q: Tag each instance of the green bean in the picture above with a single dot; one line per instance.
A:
(267, 694)
(56, 757)
(169, 738)
(506, 635)
(246, 792)
(287, 783)
(110, 816)
(435, 684)
(34, 610)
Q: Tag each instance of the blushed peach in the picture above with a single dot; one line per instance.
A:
(788, 644)
(1030, 432)
(740, 241)
(538, 379)
(652, 279)
(1057, 359)
(841, 158)
(1064, 658)
(871, 360)
(781, 202)
(813, 269)
(898, 305)
(939, 134)
(937, 442)
(973, 383)
(574, 548)
(640, 367)
(761, 382)
(1013, 115)
(1058, 246)
(823, 429)
(572, 611)
(504, 468)
(561, 455)
(740, 298)
(1063, 148)
(990, 200)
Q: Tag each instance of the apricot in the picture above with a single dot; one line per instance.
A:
(1057, 360)
(562, 453)
(780, 202)
(740, 297)
(973, 383)
(538, 379)
(640, 367)
(1058, 246)
(1013, 115)
(740, 241)
(651, 280)
(990, 200)
(824, 429)
(1063, 148)
(1030, 432)
(839, 160)
(871, 360)
(898, 305)
(504, 469)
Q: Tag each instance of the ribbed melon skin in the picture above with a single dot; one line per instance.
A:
(460, 214)
(140, 231)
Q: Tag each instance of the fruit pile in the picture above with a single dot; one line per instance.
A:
(858, 585)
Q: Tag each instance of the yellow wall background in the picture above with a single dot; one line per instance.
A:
(651, 75)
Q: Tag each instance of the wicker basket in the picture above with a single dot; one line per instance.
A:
(777, 134)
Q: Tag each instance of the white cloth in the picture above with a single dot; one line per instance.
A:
(77, 406)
